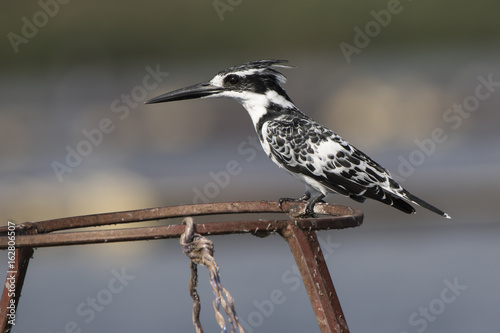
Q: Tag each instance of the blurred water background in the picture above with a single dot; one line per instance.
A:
(414, 84)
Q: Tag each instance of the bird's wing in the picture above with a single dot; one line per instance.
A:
(303, 146)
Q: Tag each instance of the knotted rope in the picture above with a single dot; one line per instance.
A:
(200, 250)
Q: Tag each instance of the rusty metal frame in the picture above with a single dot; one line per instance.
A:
(300, 234)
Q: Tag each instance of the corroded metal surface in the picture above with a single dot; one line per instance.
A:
(338, 217)
(317, 281)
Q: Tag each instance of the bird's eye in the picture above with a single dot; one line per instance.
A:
(232, 79)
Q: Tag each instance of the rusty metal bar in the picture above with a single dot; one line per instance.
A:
(158, 213)
(13, 286)
(353, 219)
(317, 281)
(172, 231)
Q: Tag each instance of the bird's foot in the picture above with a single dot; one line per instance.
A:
(305, 197)
(311, 202)
(309, 212)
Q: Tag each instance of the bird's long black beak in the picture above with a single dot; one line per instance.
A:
(195, 91)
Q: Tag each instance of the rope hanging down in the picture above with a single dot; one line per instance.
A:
(200, 250)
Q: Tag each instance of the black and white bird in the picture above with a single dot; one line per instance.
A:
(317, 156)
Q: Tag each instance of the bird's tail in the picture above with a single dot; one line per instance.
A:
(408, 196)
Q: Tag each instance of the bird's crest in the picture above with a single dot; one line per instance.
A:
(259, 66)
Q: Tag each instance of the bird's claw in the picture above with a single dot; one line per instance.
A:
(308, 212)
(302, 198)
(282, 200)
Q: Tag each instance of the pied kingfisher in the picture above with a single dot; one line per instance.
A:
(315, 155)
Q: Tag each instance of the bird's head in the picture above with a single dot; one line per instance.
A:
(247, 83)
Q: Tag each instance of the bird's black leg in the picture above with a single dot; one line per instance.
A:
(305, 197)
(312, 203)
